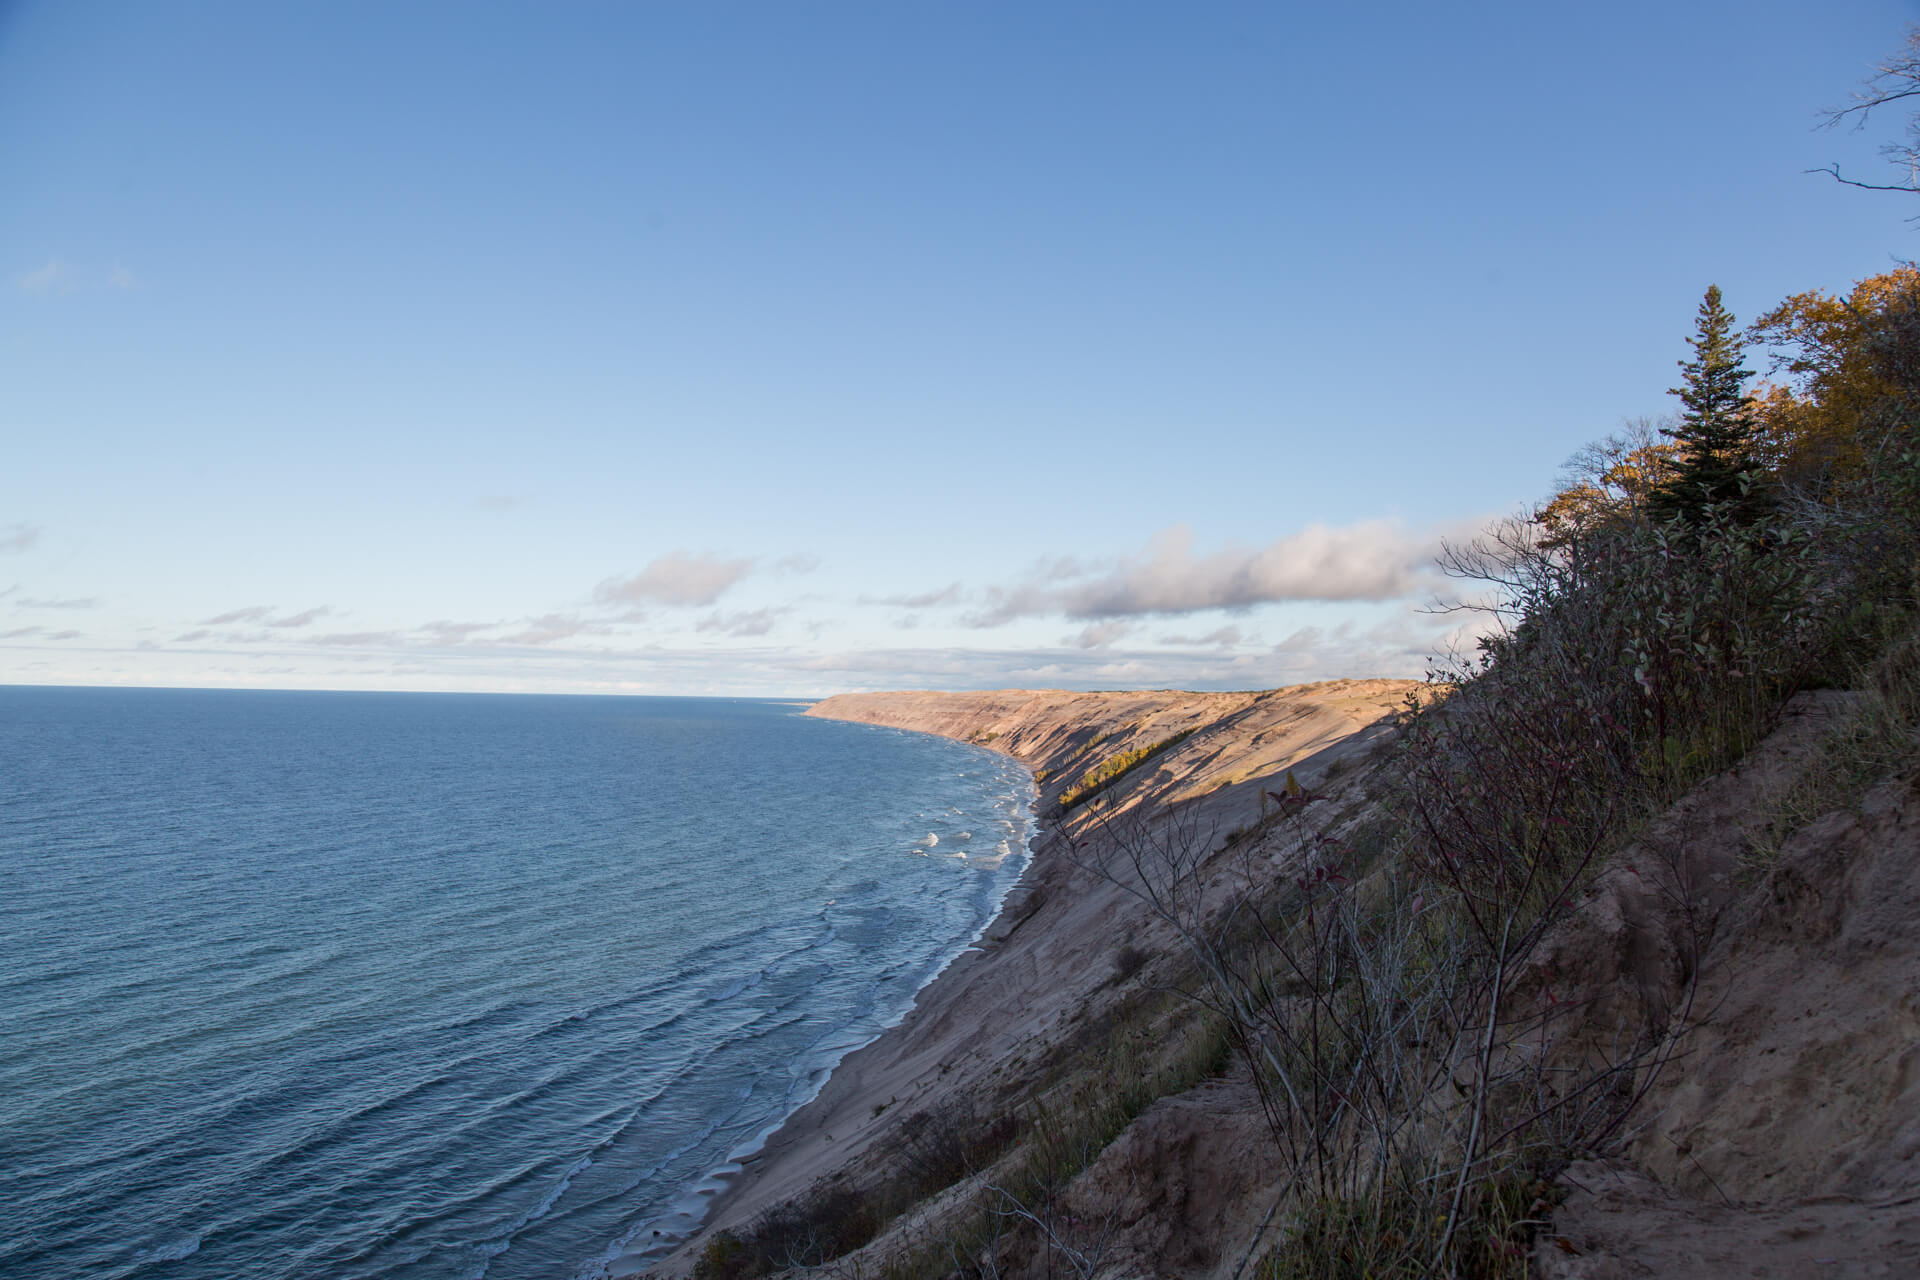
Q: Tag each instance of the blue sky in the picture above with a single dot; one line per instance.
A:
(791, 348)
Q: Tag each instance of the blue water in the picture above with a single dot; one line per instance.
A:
(418, 985)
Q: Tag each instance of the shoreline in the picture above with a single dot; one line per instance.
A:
(709, 1194)
(1046, 955)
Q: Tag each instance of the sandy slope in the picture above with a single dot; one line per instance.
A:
(1051, 954)
(1782, 1139)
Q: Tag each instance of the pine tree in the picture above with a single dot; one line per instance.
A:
(1717, 432)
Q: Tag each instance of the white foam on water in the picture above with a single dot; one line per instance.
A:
(172, 1251)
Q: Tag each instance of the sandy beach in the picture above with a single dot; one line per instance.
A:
(1045, 964)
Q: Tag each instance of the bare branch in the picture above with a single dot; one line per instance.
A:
(1834, 171)
(1896, 80)
(1862, 108)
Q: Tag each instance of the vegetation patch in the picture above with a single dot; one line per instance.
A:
(1386, 1236)
(1646, 629)
(1873, 737)
(1021, 1154)
(1115, 767)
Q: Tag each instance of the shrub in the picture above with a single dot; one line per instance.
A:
(724, 1258)
(940, 1147)
(1127, 961)
(1393, 1234)
(1869, 740)
(824, 1226)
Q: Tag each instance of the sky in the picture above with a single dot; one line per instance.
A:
(783, 349)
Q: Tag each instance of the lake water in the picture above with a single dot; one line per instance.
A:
(420, 985)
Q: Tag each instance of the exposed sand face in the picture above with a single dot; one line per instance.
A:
(1237, 736)
(1782, 1139)
(1051, 952)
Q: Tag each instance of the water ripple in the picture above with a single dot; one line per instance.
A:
(342, 985)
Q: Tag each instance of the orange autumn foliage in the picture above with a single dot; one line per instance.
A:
(1818, 424)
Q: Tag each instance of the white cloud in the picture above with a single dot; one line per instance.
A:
(444, 632)
(23, 633)
(676, 578)
(263, 613)
(1372, 561)
(252, 613)
(1395, 641)
(755, 623)
(54, 276)
(18, 537)
(72, 602)
(1399, 646)
(361, 639)
(1054, 668)
(923, 600)
(551, 627)
(1224, 638)
(57, 275)
(1100, 635)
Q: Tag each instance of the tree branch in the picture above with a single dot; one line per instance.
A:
(1834, 170)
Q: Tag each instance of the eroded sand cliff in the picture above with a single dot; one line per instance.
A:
(1046, 967)
(1782, 1137)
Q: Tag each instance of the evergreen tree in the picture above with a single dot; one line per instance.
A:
(1717, 432)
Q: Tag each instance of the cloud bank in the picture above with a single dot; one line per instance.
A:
(70, 602)
(676, 578)
(263, 614)
(1368, 562)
